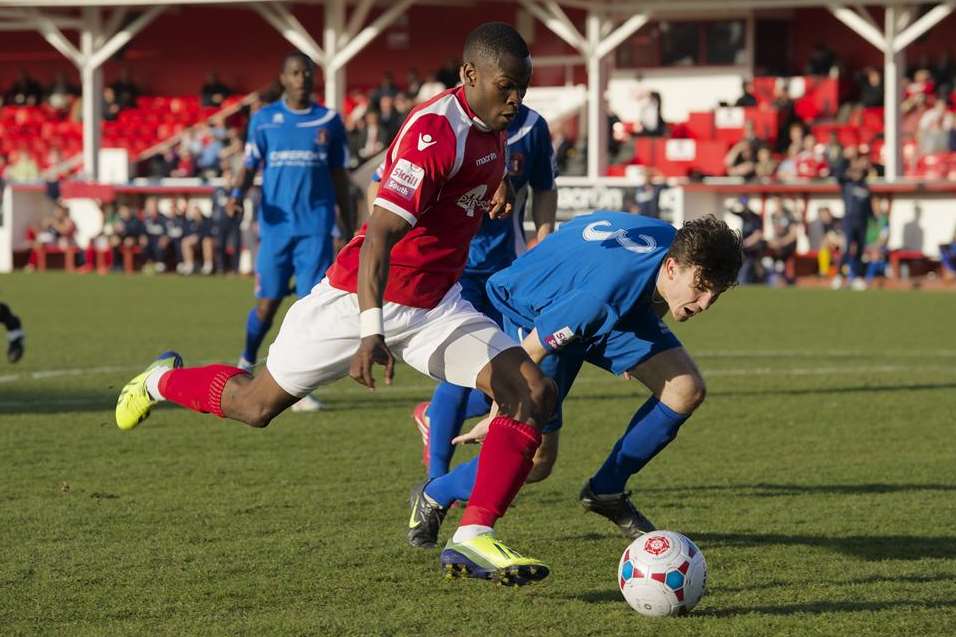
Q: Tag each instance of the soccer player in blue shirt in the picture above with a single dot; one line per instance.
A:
(596, 291)
(531, 171)
(301, 148)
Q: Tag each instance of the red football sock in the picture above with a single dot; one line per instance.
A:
(503, 466)
(198, 388)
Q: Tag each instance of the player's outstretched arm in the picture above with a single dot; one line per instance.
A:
(384, 230)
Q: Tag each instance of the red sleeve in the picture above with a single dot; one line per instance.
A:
(418, 163)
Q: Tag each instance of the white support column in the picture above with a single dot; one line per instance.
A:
(334, 75)
(123, 36)
(929, 20)
(893, 65)
(866, 29)
(291, 29)
(91, 77)
(370, 32)
(597, 105)
(562, 28)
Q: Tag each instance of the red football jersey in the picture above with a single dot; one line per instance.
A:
(441, 171)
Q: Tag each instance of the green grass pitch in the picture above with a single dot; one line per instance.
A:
(819, 478)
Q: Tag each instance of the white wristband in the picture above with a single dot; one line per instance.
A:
(370, 322)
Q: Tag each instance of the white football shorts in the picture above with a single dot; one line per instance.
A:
(319, 335)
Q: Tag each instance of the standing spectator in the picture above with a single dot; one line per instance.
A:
(783, 244)
(388, 118)
(858, 206)
(176, 229)
(448, 73)
(826, 238)
(214, 92)
(155, 240)
(25, 91)
(226, 230)
(877, 241)
(111, 107)
(125, 90)
(747, 98)
(871, 89)
(752, 242)
(370, 140)
(822, 60)
(197, 235)
(786, 115)
(429, 89)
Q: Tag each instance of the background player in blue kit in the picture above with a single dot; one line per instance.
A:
(15, 336)
(596, 292)
(301, 148)
(531, 171)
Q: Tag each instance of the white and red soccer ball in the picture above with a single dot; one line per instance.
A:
(662, 574)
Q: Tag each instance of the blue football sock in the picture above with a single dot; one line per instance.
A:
(453, 486)
(650, 430)
(445, 415)
(256, 331)
(478, 404)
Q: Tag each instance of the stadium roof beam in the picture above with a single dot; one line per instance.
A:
(897, 34)
(341, 41)
(602, 36)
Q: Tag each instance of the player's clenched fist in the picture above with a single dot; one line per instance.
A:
(372, 350)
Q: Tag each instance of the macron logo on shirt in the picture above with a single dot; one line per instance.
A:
(424, 141)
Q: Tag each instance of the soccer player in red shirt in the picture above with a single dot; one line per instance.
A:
(393, 291)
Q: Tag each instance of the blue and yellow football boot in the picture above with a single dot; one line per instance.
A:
(134, 402)
(484, 557)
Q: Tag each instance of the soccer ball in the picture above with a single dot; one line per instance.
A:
(662, 574)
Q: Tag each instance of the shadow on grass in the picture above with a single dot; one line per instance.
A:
(825, 607)
(763, 489)
(866, 547)
(54, 401)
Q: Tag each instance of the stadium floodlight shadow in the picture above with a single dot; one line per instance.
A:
(824, 606)
(865, 547)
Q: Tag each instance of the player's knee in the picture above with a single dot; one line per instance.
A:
(688, 393)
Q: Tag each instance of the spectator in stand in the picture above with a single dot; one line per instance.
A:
(752, 244)
(787, 168)
(413, 83)
(748, 98)
(944, 72)
(565, 148)
(826, 238)
(214, 92)
(741, 160)
(877, 241)
(198, 235)
(129, 232)
(386, 88)
(766, 166)
(111, 107)
(402, 106)
(647, 197)
(947, 254)
(389, 118)
(102, 242)
(25, 91)
(176, 229)
(858, 209)
(185, 164)
(786, 115)
(125, 90)
(230, 158)
(22, 168)
(783, 244)
(795, 136)
(61, 94)
(649, 122)
(448, 74)
(810, 162)
(871, 88)
(56, 231)
(209, 158)
(822, 60)
(155, 239)
(833, 154)
(429, 89)
(931, 137)
(226, 229)
(916, 92)
(370, 140)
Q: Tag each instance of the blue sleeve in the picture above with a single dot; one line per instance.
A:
(255, 145)
(544, 168)
(576, 316)
(338, 144)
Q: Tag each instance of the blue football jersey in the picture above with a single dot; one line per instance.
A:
(297, 150)
(531, 166)
(595, 274)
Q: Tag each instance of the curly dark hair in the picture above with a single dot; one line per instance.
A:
(709, 243)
